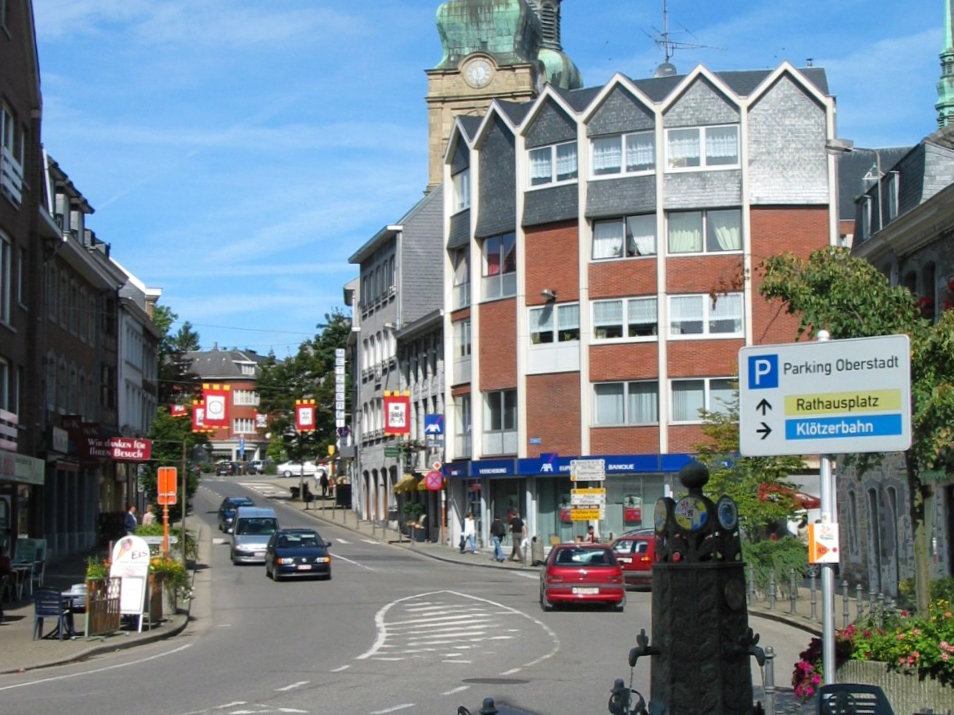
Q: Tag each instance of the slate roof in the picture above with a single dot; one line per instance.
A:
(216, 364)
(375, 242)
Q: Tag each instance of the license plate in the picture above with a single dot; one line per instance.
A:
(585, 591)
(624, 560)
(304, 567)
(259, 554)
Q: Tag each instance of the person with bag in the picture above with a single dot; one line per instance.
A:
(498, 531)
(518, 532)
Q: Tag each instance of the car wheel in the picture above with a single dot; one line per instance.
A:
(544, 601)
(286, 474)
(621, 606)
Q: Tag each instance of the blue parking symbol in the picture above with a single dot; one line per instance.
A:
(763, 372)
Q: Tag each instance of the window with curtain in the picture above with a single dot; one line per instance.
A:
(626, 403)
(711, 394)
(607, 319)
(630, 236)
(722, 229)
(556, 163)
(461, 182)
(642, 318)
(462, 339)
(461, 261)
(554, 323)
(702, 147)
(701, 315)
(623, 154)
(500, 411)
(500, 267)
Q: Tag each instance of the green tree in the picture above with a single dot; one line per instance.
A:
(171, 437)
(758, 485)
(309, 374)
(176, 384)
(850, 298)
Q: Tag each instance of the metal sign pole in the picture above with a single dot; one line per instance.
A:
(828, 510)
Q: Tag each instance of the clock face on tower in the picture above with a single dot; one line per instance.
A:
(478, 72)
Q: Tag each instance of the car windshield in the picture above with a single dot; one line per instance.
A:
(254, 525)
(298, 541)
(584, 557)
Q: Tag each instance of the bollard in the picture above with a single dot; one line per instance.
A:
(844, 603)
(768, 680)
(751, 575)
(814, 595)
(488, 707)
(872, 599)
(859, 602)
(880, 610)
(792, 592)
(771, 588)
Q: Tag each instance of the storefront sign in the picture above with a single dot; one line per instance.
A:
(492, 468)
(123, 449)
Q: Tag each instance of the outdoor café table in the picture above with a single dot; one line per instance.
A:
(21, 575)
(69, 603)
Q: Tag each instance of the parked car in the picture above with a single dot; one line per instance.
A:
(636, 553)
(256, 466)
(582, 574)
(294, 469)
(252, 528)
(297, 553)
(226, 469)
(227, 511)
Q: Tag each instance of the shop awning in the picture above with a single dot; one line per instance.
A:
(407, 483)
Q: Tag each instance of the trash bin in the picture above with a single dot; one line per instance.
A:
(536, 551)
(343, 496)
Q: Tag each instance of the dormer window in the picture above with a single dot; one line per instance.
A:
(553, 164)
(624, 154)
(702, 147)
(461, 182)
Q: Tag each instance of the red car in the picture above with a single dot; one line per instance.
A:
(582, 574)
(636, 553)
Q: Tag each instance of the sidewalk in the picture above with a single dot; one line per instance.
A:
(19, 652)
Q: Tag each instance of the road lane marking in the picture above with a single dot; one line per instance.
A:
(353, 563)
(292, 686)
(339, 669)
(456, 690)
(405, 706)
(70, 676)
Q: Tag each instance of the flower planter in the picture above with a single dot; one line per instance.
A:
(906, 692)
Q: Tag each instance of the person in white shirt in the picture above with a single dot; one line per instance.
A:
(470, 533)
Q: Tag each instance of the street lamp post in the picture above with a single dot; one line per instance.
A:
(846, 146)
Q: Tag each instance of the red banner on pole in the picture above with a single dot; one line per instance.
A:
(216, 399)
(178, 411)
(305, 415)
(397, 413)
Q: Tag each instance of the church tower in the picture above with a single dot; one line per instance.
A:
(945, 86)
(492, 49)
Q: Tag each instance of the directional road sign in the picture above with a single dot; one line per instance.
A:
(827, 397)
(587, 470)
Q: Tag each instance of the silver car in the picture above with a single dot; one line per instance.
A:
(252, 528)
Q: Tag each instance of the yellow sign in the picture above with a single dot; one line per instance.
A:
(587, 514)
(842, 402)
(594, 491)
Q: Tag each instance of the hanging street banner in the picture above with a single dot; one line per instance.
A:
(825, 397)
(305, 415)
(216, 398)
(397, 413)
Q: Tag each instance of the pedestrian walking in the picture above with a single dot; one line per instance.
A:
(129, 521)
(518, 532)
(148, 517)
(470, 533)
(498, 531)
(323, 483)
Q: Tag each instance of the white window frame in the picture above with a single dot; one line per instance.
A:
(621, 330)
(463, 340)
(462, 426)
(502, 284)
(706, 311)
(893, 182)
(6, 277)
(461, 181)
(500, 407)
(621, 239)
(552, 324)
(705, 138)
(709, 221)
(549, 158)
(623, 146)
(713, 388)
(461, 270)
(624, 393)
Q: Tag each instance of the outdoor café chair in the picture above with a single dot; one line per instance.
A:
(48, 603)
(852, 699)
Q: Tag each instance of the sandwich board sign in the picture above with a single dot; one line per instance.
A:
(825, 397)
(130, 563)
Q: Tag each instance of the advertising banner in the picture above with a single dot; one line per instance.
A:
(397, 412)
(216, 399)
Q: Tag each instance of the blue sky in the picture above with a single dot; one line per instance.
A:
(237, 152)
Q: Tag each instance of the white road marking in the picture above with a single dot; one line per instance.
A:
(392, 710)
(462, 662)
(124, 664)
(338, 670)
(353, 563)
(456, 690)
(371, 541)
(292, 686)
(343, 541)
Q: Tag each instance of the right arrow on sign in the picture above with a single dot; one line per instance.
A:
(763, 407)
(764, 430)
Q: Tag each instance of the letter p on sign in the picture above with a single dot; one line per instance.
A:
(763, 372)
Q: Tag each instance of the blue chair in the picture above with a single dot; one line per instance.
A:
(852, 699)
(48, 603)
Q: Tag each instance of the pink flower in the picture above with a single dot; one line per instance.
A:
(899, 637)
(915, 631)
(948, 614)
(904, 614)
(945, 657)
(816, 679)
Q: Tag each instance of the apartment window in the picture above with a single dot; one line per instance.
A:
(462, 426)
(626, 403)
(461, 182)
(6, 277)
(625, 318)
(12, 143)
(243, 425)
(500, 422)
(625, 237)
(555, 324)
(21, 276)
(500, 267)
(5, 402)
(553, 164)
(703, 315)
(462, 339)
(461, 261)
(714, 231)
(702, 147)
(245, 397)
(624, 154)
(691, 396)
(894, 178)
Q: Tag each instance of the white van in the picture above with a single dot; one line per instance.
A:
(252, 527)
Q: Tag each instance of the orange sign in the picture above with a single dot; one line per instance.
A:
(823, 543)
(168, 481)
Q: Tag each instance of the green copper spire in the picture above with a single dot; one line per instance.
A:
(945, 86)
(560, 69)
(507, 29)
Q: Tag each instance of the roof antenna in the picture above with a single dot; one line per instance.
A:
(669, 46)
